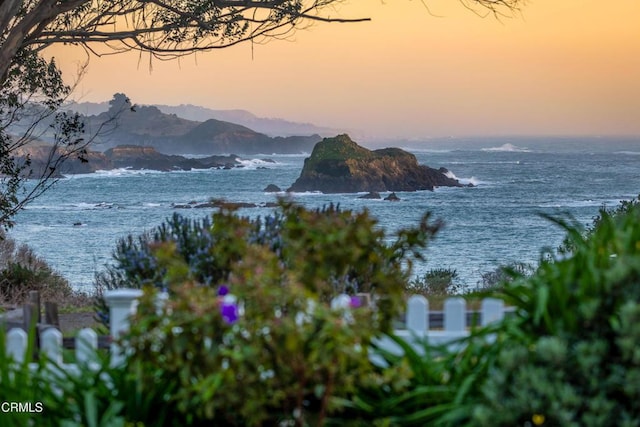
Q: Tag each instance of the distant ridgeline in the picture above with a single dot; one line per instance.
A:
(339, 165)
(124, 124)
(268, 126)
(170, 134)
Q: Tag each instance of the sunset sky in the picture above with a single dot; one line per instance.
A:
(560, 67)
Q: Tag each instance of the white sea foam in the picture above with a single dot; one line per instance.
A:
(81, 206)
(292, 155)
(508, 148)
(128, 172)
(93, 206)
(473, 180)
(256, 163)
(426, 150)
(121, 172)
(580, 203)
(306, 193)
(628, 153)
(195, 156)
(479, 162)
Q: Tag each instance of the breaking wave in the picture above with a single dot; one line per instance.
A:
(473, 180)
(121, 172)
(508, 148)
(257, 163)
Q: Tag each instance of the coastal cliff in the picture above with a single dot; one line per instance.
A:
(339, 165)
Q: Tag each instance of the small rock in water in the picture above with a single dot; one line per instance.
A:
(392, 197)
(370, 195)
(272, 188)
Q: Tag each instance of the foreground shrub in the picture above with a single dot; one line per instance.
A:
(22, 271)
(333, 251)
(623, 208)
(428, 386)
(570, 355)
(261, 342)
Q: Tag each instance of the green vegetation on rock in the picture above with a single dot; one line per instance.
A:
(339, 165)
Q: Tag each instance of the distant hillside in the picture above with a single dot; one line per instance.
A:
(148, 121)
(170, 134)
(268, 126)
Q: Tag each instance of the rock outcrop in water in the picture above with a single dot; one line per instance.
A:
(124, 156)
(137, 157)
(339, 165)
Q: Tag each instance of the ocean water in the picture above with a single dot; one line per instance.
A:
(496, 222)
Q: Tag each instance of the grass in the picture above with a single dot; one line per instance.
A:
(77, 303)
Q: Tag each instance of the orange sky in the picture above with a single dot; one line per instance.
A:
(561, 67)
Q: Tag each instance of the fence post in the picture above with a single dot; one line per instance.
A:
(51, 314)
(492, 310)
(51, 345)
(34, 299)
(122, 304)
(455, 315)
(86, 346)
(17, 342)
(418, 314)
(29, 316)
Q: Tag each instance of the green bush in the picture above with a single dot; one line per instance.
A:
(261, 345)
(625, 206)
(22, 271)
(493, 280)
(567, 356)
(436, 282)
(570, 354)
(427, 386)
(321, 257)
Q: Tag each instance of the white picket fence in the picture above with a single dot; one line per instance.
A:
(417, 329)
(123, 302)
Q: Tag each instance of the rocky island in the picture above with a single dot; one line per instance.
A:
(123, 156)
(339, 165)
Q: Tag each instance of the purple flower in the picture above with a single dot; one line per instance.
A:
(229, 313)
(355, 302)
(223, 290)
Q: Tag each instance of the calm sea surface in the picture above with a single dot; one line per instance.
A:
(495, 223)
